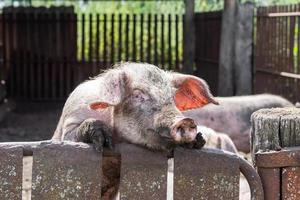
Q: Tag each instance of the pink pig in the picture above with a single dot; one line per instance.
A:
(136, 103)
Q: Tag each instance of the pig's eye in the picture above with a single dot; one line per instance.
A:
(139, 96)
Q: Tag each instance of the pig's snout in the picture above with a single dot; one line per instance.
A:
(184, 130)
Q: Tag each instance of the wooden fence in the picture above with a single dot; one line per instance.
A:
(48, 51)
(277, 51)
(208, 35)
(73, 171)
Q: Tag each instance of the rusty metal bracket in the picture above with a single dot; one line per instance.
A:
(253, 179)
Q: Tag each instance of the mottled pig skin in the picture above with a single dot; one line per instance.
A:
(136, 103)
(232, 115)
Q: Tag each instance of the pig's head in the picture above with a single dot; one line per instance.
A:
(148, 102)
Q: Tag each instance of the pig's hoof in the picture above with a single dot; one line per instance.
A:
(98, 133)
(200, 141)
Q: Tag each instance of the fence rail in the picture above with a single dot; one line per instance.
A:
(277, 51)
(68, 170)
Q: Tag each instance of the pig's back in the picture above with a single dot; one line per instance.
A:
(233, 114)
(76, 108)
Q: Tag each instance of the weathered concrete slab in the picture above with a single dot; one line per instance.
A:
(143, 173)
(205, 174)
(11, 172)
(66, 171)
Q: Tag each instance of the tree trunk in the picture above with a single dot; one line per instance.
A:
(243, 49)
(226, 82)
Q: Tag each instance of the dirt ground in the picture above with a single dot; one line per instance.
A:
(30, 122)
(37, 121)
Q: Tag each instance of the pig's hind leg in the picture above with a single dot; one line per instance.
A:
(96, 132)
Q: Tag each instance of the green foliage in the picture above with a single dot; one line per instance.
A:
(274, 2)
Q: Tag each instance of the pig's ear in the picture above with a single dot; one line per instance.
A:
(192, 92)
(99, 105)
(111, 90)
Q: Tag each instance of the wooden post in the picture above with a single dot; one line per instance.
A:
(189, 38)
(226, 82)
(243, 49)
(272, 130)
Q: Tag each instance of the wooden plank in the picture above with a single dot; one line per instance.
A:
(282, 14)
(170, 43)
(90, 37)
(155, 40)
(162, 42)
(287, 157)
(112, 41)
(257, 49)
(75, 57)
(120, 36)
(142, 178)
(177, 42)
(65, 171)
(65, 46)
(281, 81)
(149, 39)
(205, 174)
(189, 37)
(11, 23)
(49, 59)
(69, 56)
(82, 37)
(32, 58)
(3, 70)
(91, 62)
(39, 53)
(11, 172)
(19, 47)
(142, 37)
(105, 49)
(97, 42)
(45, 59)
(291, 183)
(297, 69)
(112, 49)
(134, 45)
(127, 37)
(270, 178)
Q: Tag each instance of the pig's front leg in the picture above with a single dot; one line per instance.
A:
(96, 132)
(197, 144)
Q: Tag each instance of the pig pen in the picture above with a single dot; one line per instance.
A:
(37, 121)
